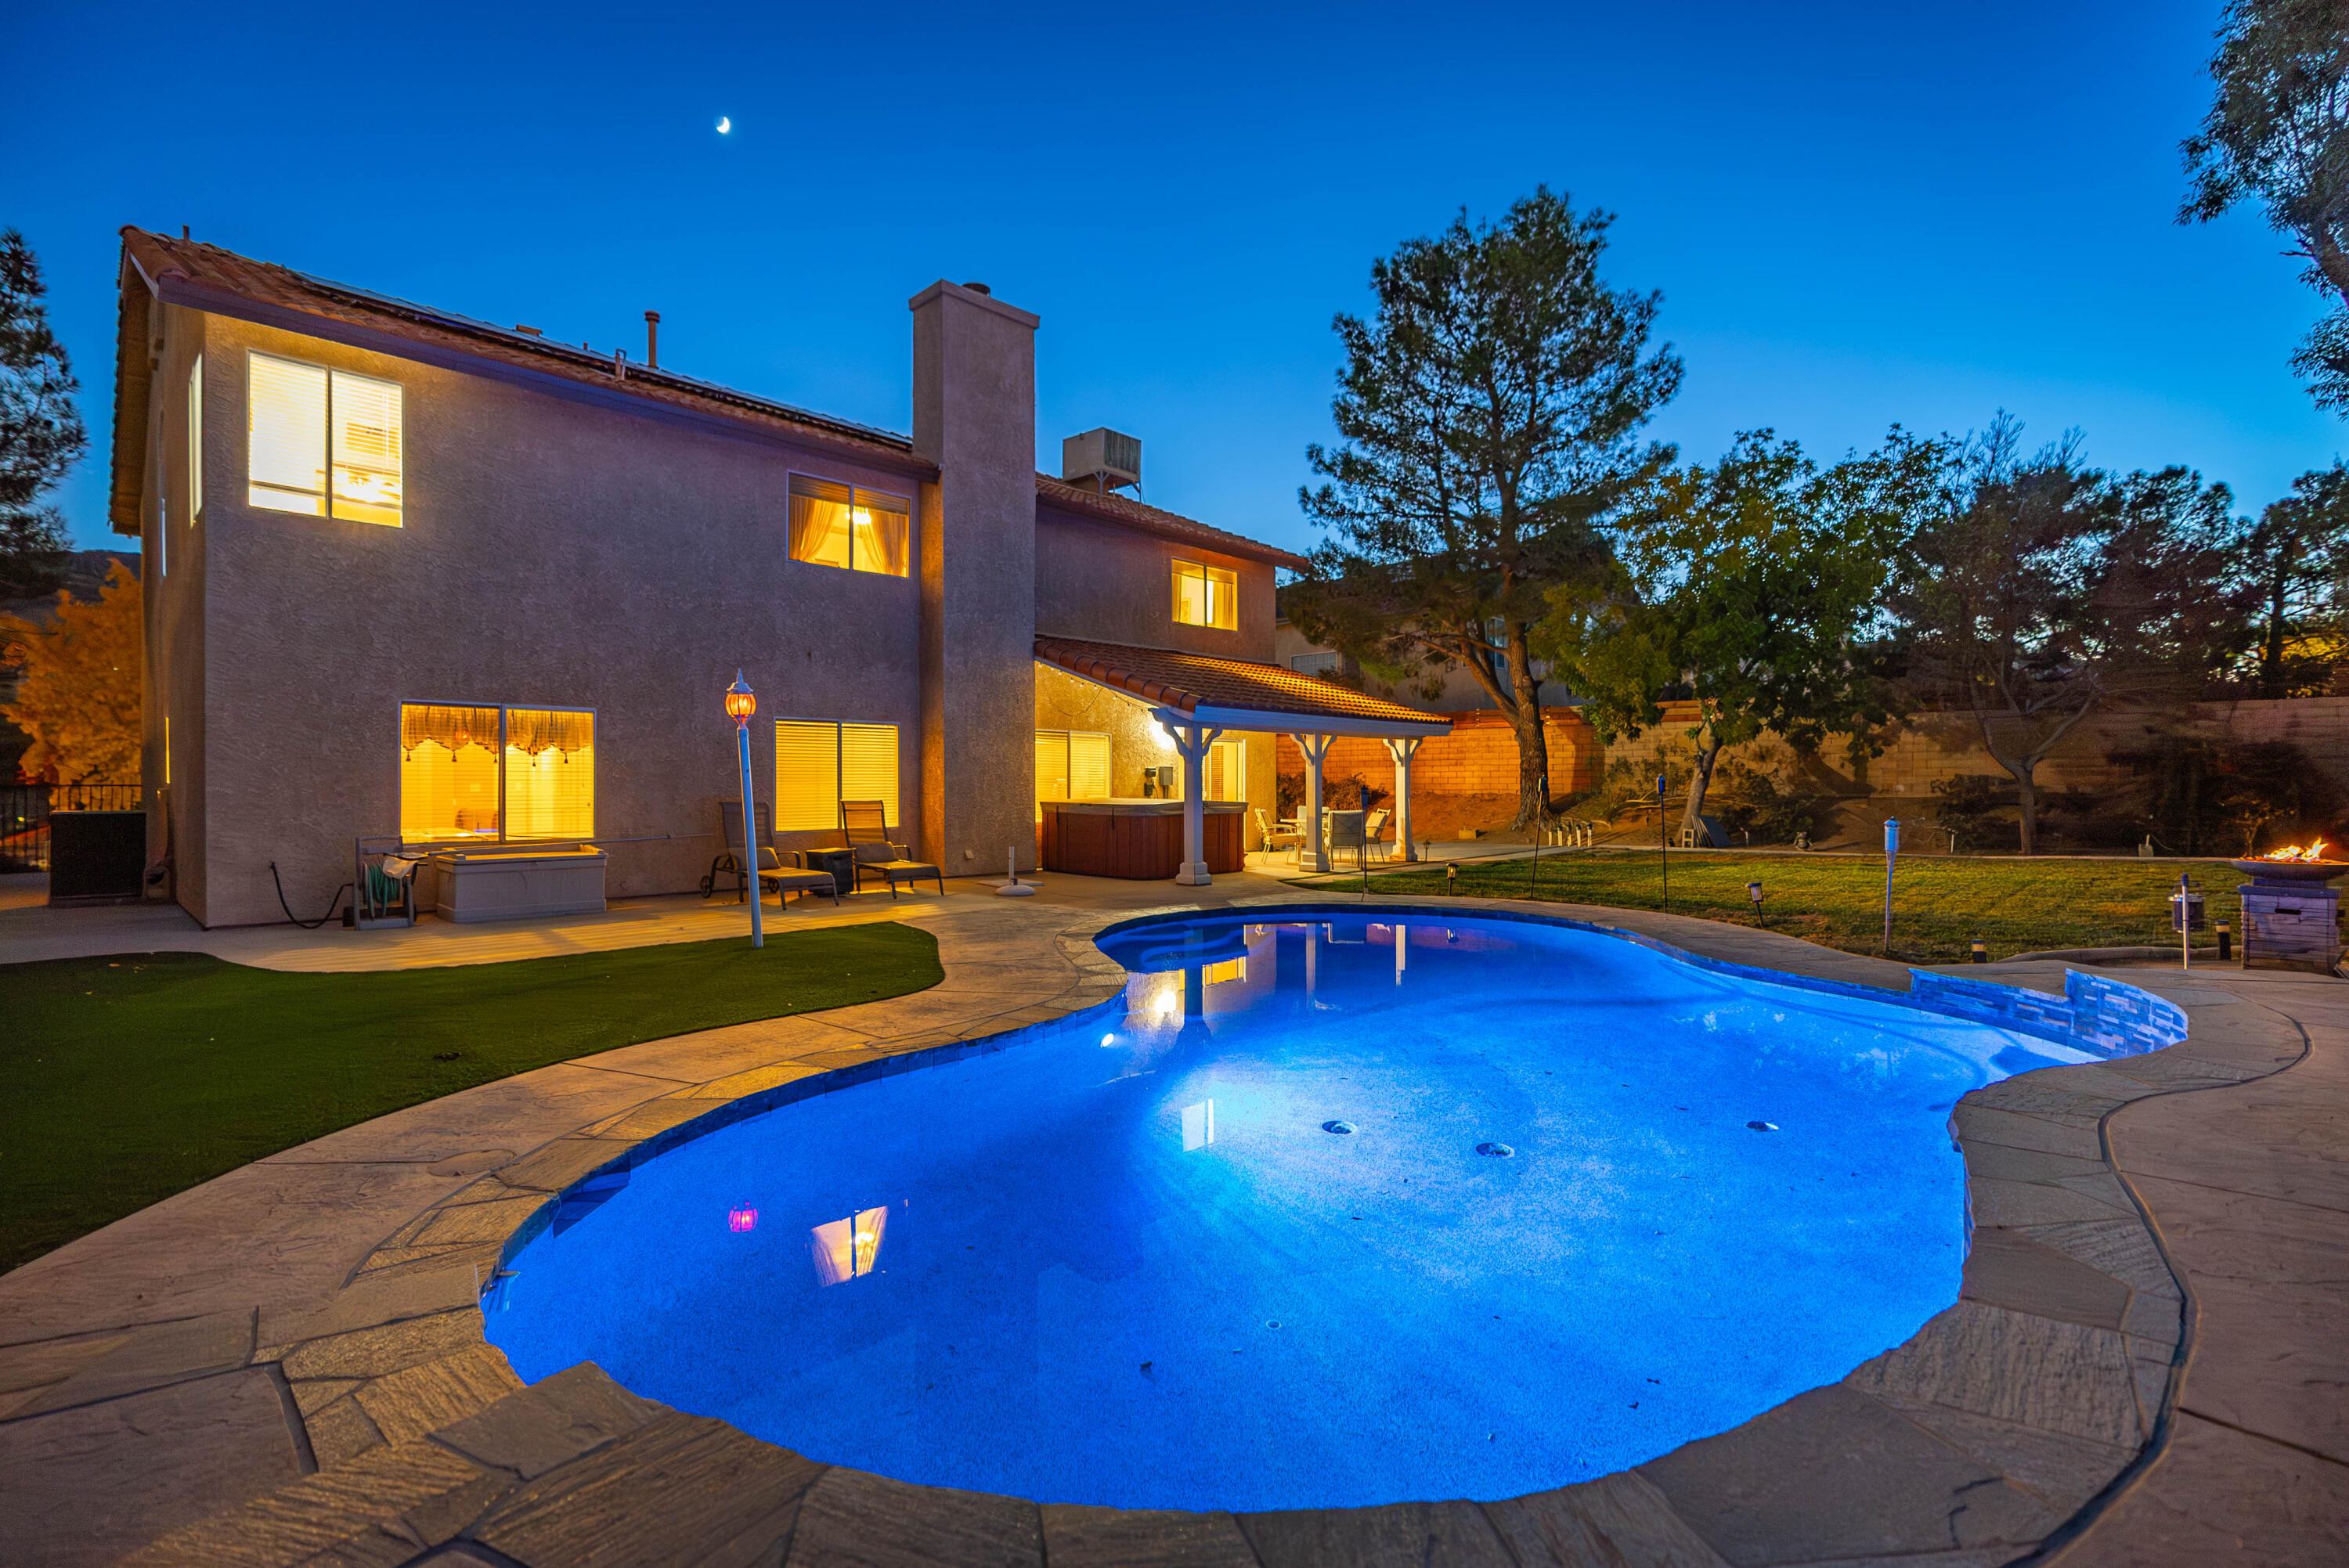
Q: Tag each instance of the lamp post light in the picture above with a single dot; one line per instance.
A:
(1753, 891)
(741, 704)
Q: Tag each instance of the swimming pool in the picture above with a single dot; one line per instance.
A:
(1323, 1213)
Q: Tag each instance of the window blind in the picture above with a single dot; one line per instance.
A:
(366, 447)
(1052, 767)
(1088, 766)
(807, 776)
(286, 417)
(868, 766)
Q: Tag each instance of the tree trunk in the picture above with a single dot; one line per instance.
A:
(1708, 752)
(2026, 791)
(1533, 741)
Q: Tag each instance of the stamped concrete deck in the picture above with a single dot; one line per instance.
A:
(286, 1365)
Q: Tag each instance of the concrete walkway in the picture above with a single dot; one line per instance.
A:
(286, 1363)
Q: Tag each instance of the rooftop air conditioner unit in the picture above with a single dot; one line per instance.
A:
(1103, 457)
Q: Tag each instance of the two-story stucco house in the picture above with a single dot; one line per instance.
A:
(416, 580)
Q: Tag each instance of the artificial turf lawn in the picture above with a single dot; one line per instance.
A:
(125, 1079)
(1940, 903)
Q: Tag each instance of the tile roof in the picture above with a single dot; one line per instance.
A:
(195, 269)
(209, 268)
(1134, 514)
(1192, 681)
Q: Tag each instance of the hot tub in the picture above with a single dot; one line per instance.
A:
(1137, 838)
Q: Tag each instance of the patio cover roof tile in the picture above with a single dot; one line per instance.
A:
(1189, 682)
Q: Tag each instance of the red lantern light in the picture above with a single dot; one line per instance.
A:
(739, 703)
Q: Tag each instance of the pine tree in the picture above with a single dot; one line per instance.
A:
(41, 434)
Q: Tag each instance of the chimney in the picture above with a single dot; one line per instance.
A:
(652, 338)
(974, 418)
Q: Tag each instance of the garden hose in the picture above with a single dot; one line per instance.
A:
(332, 903)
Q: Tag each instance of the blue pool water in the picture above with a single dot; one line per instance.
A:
(1144, 1264)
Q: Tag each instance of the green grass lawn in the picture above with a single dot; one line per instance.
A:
(1939, 905)
(125, 1079)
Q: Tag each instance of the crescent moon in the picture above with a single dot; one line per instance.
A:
(725, 124)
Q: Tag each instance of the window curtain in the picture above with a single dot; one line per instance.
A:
(884, 525)
(450, 728)
(531, 730)
(820, 520)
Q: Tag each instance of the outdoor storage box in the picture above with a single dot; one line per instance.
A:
(515, 884)
(97, 857)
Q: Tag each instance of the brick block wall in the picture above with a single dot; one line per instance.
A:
(1478, 758)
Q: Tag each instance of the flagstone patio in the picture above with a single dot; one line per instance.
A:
(286, 1365)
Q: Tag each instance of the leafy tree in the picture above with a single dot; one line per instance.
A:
(1488, 409)
(2047, 591)
(41, 434)
(1752, 586)
(2278, 132)
(80, 696)
(2296, 561)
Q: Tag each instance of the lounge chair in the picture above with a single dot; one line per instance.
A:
(775, 875)
(1374, 834)
(866, 824)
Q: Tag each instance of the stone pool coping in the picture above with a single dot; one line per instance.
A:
(1982, 1438)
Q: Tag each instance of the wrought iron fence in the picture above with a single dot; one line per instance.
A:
(25, 816)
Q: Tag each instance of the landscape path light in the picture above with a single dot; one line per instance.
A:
(1891, 853)
(741, 704)
(1753, 891)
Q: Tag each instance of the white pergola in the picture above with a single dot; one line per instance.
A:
(1197, 697)
(1199, 728)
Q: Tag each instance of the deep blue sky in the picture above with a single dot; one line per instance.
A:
(1858, 212)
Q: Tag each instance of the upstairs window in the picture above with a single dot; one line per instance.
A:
(819, 764)
(496, 773)
(325, 443)
(850, 527)
(1207, 597)
(196, 440)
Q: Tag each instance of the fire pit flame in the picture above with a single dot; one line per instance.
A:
(2293, 854)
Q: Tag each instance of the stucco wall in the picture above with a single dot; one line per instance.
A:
(1135, 739)
(1112, 584)
(555, 550)
(975, 416)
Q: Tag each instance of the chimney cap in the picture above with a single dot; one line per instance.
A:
(978, 288)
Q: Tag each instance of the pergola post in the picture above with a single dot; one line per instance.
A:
(1191, 742)
(1402, 749)
(1316, 748)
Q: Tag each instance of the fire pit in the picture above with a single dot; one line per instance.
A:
(2289, 914)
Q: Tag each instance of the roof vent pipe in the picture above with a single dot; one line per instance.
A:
(978, 288)
(652, 338)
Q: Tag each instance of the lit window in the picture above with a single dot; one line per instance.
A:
(325, 443)
(496, 773)
(1070, 765)
(845, 1249)
(819, 764)
(840, 525)
(196, 440)
(1207, 597)
(1225, 771)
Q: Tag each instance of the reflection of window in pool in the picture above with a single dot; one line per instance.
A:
(1198, 1125)
(1229, 970)
(844, 1249)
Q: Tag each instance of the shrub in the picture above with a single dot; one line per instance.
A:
(2200, 794)
(1969, 806)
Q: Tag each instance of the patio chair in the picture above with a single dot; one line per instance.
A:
(775, 874)
(1374, 834)
(1271, 837)
(865, 825)
(1346, 833)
